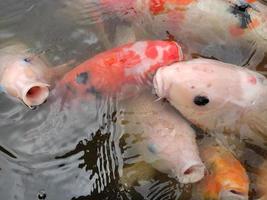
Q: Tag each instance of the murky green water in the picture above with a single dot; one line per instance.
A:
(77, 153)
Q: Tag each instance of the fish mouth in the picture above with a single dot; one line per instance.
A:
(233, 194)
(35, 94)
(159, 84)
(192, 173)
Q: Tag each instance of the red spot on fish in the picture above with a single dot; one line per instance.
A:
(236, 31)
(156, 6)
(161, 6)
(109, 70)
(130, 59)
(252, 80)
(251, 1)
(110, 60)
(254, 24)
(151, 52)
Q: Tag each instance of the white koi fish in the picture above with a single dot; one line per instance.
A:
(217, 97)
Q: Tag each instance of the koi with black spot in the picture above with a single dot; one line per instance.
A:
(121, 69)
(228, 30)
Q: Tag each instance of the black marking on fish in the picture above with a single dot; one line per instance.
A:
(93, 90)
(242, 12)
(82, 78)
(170, 37)
(201, 100)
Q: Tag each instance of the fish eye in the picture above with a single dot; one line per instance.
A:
(201, 100)
(28, 60)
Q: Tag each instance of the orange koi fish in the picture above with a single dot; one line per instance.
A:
(121, 68)
(226, 177)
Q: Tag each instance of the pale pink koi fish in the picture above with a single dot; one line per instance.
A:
(217, 97)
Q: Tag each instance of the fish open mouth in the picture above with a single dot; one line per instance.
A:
(36, 94)
(192, 173)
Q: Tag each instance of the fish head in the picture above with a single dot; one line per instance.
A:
(25, 77)
(209, 93)
(226, 178)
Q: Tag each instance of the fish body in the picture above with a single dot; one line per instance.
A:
(121, 68)
(26, 76)
(234, 31)
(169, 142)
(217, 97)
(226, 178)
(261, 180)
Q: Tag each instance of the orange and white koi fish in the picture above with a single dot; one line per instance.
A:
(217, 97)
(233, 31)
(120, 69)
(226, 178)
(27, 76)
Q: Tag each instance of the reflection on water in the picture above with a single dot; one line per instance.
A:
(79, 153)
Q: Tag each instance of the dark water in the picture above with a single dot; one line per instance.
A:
(76, 153)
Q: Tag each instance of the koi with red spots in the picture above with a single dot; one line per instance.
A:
(233, 31)
(121, 69)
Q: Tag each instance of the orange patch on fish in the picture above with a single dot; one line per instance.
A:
(156, 6)
(109, 71)
(236, 31)
(254, 24)
(251, 1)
(151, 52)
(163, 6)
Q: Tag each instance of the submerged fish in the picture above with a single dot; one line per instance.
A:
(217, 97)
(169, 142)
(121, 69)
(226, 178)
(27, 76)
(233, 31)
(261, 180)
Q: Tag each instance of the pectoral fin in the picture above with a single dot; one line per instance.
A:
(61, 70)
(255, 128)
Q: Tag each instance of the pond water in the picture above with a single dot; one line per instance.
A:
(80, 153)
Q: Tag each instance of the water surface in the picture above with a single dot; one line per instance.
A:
(81, 152)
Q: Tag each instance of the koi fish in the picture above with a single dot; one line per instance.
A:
(261, 180)
(169, 142)
(226, 178)
(119, 70)
(27, 76)
(233, 31)
(217, 97)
